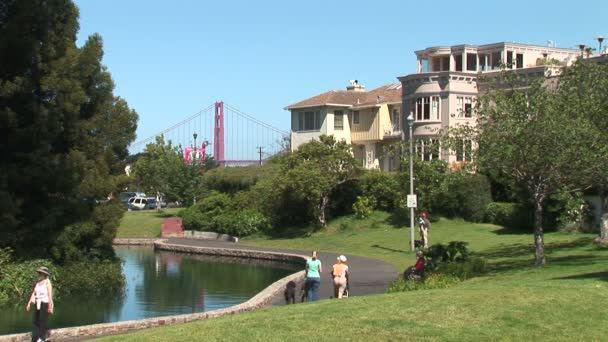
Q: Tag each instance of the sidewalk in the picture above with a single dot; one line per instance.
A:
(368, 276)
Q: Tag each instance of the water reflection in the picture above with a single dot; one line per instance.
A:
(161, 284)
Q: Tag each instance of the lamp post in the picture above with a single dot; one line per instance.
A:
(582, 48)
(600, 39)
(194, 152)
(410, 123)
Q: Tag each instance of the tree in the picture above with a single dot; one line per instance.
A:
(161, 168)
(585, 87)
(62, 131)
(317, 168)
(527, 130)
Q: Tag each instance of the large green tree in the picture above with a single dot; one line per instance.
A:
(161, 168)
(528, 131)
(62, 131)
(316, 169)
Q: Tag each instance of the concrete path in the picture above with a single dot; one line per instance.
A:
(368, 276)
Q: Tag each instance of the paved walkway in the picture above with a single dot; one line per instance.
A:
(368, 276)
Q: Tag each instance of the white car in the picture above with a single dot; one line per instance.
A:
(137, 203)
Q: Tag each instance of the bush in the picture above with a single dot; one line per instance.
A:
(363, 207)
(432, 281)
(454, 259)
(79, 277)
(241, 223)
(193, 219)
(465, 195)
(17, 279)
(382, 188)
(509, 215)
(234, 179)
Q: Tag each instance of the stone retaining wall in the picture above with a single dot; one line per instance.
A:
(135, 241)
(260, 300)
(194, 234)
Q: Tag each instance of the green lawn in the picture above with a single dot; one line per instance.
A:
(143, 223)
(566, 300)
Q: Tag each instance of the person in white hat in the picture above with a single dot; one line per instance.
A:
(340, 273)
(42, 297)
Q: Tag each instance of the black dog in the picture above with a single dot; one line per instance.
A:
(290, 293)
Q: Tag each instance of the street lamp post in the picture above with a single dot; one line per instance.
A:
(194, 152)
(410, 123)
(600, 39)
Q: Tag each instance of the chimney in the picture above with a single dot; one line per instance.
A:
(354, 86)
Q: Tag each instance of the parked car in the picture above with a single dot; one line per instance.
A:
(137, 203)
(125, 196)
(152, 203)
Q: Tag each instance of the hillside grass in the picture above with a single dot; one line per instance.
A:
(143, 223)
(563, 301)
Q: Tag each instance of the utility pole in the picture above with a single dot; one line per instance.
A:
(260, 153)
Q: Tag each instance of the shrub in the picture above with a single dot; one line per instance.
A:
(214, 203)
(241, 223)
(17, 279)
(363, 207)
(454, 259)
(432, 281)
(193, 219)
(509, 215)
(465, 195)
(234, 179)
(381, 187)
(78, 278)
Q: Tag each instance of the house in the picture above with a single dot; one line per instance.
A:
(367, 120)
(448, 80)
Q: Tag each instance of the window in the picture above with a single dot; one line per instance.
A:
(496, 60)
(428, 149)
(471, 62)
(396, 120)
(458, 59)
(426, 108)
(355, 117)
(338, 120)
(509, 59)
(445, 63)
(464, 150)
(464, 106)
(519, 61)
(424, 65)
(436, 64)
(309, 121)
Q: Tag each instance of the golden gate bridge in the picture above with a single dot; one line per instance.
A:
(234, 137)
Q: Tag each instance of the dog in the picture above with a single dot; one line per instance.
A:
(303, 292)
(290, 293)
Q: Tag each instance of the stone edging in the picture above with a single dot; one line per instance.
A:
(258, 301)
(135, 241)
(195, 234)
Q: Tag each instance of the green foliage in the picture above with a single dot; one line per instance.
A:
(464, 195)
(64, 131)
(432, 281)
(193, 219)
(233, 179)
(429, 175)
(93, 279)
(382, 187)
(17, 278)
(241, 223)
(454, 260)
(315, 170)
(573, 213)
(92, 238)
(440, 253)
(363, 208)
(161, 169)
(509, 215)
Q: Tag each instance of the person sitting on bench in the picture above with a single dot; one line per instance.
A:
(416, 272)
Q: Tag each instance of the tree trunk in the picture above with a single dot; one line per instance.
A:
(539, 242)
(322, 209)
(603, 217)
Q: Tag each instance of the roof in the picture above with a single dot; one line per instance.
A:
(388, 93)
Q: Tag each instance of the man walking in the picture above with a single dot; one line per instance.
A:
(424, 225)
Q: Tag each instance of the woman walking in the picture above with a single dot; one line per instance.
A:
(313, 277)
(42, 298)
(340, 274)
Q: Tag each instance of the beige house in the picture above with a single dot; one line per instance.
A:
(443, 91)
(368, 120)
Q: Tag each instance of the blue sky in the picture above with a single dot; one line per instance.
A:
(171, 59)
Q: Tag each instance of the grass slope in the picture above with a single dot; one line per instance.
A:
(143, 223)
(563, 301)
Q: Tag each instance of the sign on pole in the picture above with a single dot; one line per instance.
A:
(412, 201)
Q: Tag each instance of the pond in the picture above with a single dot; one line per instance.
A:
(158, 284)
